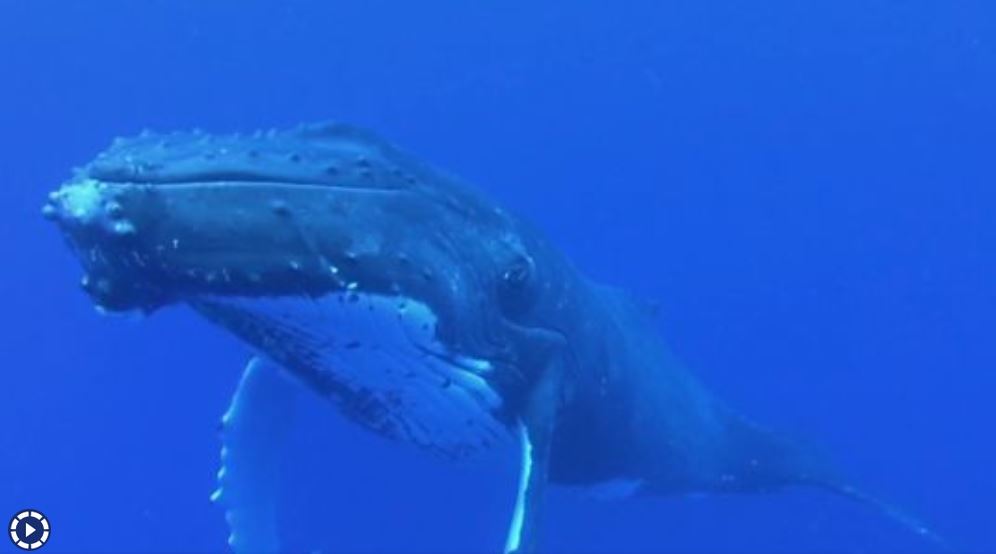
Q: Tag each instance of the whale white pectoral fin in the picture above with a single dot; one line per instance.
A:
(521, 534)
(254, 431)
(535, 428)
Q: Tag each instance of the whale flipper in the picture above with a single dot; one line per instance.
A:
(536, 425)
(254, 431)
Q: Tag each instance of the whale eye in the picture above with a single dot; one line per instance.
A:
(518, 272)
(515, 287)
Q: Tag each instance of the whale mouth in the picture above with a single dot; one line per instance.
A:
(224, 177)
(146, 244)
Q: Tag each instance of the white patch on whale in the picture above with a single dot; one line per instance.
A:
(514, 539)
(398, 378)
(81, 200)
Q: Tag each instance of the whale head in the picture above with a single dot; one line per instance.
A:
(325, 248)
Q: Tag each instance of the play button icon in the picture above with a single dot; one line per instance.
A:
(29, 530)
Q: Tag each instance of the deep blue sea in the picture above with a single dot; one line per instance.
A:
(805, 188)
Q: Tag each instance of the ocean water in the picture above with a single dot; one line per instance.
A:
(806, 190)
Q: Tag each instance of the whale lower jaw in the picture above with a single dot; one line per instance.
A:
(377, 358)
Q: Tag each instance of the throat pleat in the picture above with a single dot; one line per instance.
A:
(377, 357)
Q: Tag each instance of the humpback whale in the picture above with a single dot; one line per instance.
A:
(416, 306)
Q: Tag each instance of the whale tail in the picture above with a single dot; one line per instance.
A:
(890, 511)
(765, 461)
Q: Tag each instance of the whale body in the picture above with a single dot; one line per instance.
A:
(417, 306)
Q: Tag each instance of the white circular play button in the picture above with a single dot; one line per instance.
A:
(29, 530)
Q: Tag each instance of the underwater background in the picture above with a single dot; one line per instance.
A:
(805, 189)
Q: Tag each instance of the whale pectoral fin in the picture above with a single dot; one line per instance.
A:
(536, 425)
(254, 431)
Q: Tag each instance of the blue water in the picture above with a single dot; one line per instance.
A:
(805, 188)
